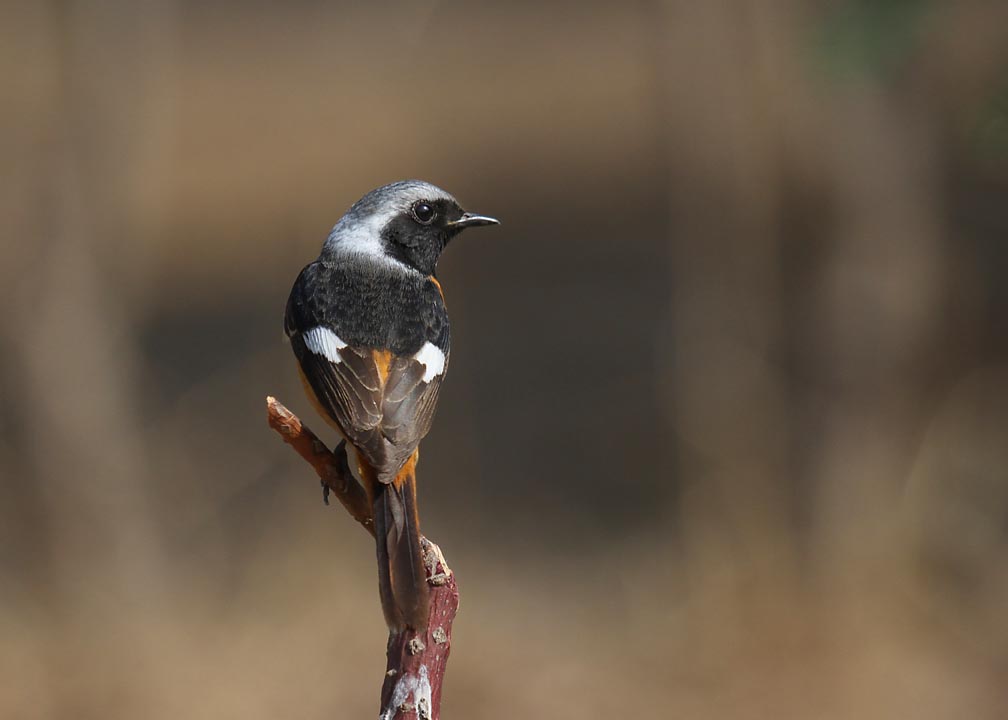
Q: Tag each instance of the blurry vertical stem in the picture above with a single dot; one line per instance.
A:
(715, 67)
(80, 365)
(78, 361)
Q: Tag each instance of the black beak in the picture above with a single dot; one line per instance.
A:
(472, 220)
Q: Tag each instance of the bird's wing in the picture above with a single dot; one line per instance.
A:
(347, 390)
(411, 393)
(383, 403)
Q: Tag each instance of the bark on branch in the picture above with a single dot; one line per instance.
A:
(416, 660)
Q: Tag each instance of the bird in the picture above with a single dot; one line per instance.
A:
(368, 326)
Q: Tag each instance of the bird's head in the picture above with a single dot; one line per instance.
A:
(410, 221)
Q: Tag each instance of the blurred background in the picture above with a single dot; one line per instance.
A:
(726, 429)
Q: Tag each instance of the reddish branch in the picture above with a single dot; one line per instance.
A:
(416, 661)
(331, 467)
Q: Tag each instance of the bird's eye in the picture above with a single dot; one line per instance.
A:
(424, 213)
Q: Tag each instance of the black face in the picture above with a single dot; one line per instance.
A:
(417, 236)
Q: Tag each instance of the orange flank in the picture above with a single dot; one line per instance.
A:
(408, 471)
(437, 285)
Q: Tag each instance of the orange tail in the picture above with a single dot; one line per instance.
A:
(402, 580)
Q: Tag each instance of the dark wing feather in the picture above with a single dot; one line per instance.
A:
(409, 402)
(350, 392)
(384, 421)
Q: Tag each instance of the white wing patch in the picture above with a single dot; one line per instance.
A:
(431, 357)
(323, 341)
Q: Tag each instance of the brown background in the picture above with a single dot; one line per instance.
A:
(726, 429)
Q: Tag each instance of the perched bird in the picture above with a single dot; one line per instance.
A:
(368, 325)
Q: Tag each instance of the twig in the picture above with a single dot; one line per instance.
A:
(332, 467)
(417, 661)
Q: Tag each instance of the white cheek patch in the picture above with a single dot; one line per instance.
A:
(361, 237)
(323, 341)
(431, 357)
